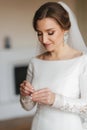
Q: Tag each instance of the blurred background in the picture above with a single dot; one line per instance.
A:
(17, 44)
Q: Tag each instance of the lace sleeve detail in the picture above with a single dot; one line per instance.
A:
(78, 106)
(27, 102)
(29, 75)
(75, 105)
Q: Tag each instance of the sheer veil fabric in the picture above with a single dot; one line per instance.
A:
(75, 38)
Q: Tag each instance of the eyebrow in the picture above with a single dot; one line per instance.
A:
(47, 29)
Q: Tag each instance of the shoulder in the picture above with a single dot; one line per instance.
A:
(84, 64)
(33, 61)
(84, 59)
(40, 56)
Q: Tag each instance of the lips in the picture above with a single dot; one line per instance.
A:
(47, 45)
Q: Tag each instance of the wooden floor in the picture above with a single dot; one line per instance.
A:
(16, 124)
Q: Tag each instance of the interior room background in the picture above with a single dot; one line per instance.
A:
(16, 20)
(16, 25)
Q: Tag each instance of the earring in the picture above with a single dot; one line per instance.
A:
(65, 37)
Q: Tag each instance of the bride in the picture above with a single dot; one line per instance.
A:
(57, 78)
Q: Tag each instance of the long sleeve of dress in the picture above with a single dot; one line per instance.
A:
(26, 101)
(78, 106)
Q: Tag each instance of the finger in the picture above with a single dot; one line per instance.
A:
(28, 85)
(23, 94)
(29, 89)
(39, 99)
(45, 90)
(24, 91)
(41, 96)
(46, 98)
(21, 85)
(43, 100)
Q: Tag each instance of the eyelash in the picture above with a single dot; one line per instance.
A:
(39, 34)
(49, 33)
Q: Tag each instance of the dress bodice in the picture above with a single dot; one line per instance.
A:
(67, 79)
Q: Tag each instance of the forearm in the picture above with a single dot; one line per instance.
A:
(27, 102)
(78, 106)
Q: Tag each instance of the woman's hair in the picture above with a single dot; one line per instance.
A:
(55, 11)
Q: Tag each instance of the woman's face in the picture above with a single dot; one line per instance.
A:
(50, 34)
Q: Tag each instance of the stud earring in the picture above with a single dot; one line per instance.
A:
(65, 37)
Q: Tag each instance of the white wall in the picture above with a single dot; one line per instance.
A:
(16, 21)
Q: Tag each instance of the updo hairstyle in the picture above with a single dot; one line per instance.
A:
(52, 10)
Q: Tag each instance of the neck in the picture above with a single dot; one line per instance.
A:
(60, 52)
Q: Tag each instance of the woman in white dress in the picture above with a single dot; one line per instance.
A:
(57, 78)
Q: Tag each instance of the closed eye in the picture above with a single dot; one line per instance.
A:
(51, 33)
(39, 33)
(48, 33)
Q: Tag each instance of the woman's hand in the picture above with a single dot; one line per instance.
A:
(26, 88)
(44, 96)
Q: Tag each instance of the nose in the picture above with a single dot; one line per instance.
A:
(44, 39)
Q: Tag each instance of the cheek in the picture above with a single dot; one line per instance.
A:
(59, 36)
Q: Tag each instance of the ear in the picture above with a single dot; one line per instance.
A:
(66, 31)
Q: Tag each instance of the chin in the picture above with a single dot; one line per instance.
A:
(49, 49)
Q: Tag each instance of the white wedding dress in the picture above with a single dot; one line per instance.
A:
(66, 78)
